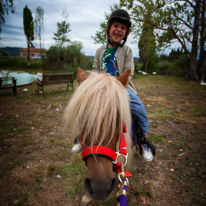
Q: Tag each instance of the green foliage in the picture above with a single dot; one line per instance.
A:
(63, 28)
(39, 24)
(14, 62)
(152, 62)
(101, 36)
(68, 58)
(178, 20)
(5, 7)
(162, 67)
(137, 66)
(4, 53)
(175, 65)
(147, 46)
(28, 27)
(179, 67)
(37, 64)
(28, 24)
(175, 54)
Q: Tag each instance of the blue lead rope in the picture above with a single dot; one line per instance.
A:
(122, 198)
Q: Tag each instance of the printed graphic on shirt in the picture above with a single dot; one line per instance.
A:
(109, 62)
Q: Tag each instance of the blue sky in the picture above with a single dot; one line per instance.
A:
(84, 19)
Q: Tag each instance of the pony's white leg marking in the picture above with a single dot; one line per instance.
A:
(86, 199)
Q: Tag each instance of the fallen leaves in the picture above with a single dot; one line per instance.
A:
(143, 199)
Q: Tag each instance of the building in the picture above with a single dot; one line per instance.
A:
(33, 52)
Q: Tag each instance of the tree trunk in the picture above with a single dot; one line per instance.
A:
(28, 46)
(201, 68)
(192, 72)
(147, 59)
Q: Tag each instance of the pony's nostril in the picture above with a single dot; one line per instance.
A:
(112, 186)
(87, 184)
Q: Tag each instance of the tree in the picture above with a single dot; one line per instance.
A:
(147, 45)
(39, 24)
(5, 7)
(173, 20)
(28, 28)
(202, 59)
(63, 28)
(101, 36)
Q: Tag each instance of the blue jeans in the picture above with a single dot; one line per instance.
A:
(139, 110)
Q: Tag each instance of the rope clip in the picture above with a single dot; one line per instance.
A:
(123, 182)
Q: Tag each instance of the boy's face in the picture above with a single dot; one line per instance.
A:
(117, 32)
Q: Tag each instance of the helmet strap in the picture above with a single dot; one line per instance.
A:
(121, 44)
(124, 40)
(109, 41)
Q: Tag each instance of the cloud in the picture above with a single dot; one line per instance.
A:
(84, 19)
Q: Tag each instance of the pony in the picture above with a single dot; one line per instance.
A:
(98, 109)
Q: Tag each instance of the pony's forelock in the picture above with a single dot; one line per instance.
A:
(99, 107)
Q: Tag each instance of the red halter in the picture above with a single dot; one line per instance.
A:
(109, 153)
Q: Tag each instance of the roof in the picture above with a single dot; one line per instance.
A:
(32, 49)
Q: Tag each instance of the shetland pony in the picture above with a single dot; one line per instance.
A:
(98, 109)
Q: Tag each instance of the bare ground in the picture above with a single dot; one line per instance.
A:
(35, 147)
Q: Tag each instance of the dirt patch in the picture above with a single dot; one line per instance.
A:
(38, 168)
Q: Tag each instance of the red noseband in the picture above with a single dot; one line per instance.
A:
(109, 153)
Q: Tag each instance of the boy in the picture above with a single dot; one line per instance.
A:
(114, 58)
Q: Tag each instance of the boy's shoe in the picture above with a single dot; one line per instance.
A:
(146, 153)
(77, 145)
(77, 148)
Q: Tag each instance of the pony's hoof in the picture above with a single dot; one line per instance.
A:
(85, 200)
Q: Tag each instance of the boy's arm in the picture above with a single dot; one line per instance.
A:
(95, 64)
(98, 59)
(129, 61)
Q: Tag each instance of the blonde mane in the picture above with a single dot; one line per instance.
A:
(98, 108)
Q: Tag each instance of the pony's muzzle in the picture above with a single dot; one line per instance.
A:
(99, 190)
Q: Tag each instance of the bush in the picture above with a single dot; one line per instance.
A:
(13, 62)
(37, 64)
(137, 67)
(67, 58)
(179, 67)
(162, 67)
(4, 53)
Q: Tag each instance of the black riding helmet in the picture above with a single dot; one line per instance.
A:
(123, 16)
(120, 14)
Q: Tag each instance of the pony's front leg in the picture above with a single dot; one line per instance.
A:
(86, 199)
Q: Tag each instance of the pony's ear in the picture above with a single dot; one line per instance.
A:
(124, 77)
(81, 76)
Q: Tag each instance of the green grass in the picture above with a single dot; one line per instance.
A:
(157, 138)
(16, 164)
(74, 174)
(51, 143)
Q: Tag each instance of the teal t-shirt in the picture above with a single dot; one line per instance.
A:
(109, 62)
